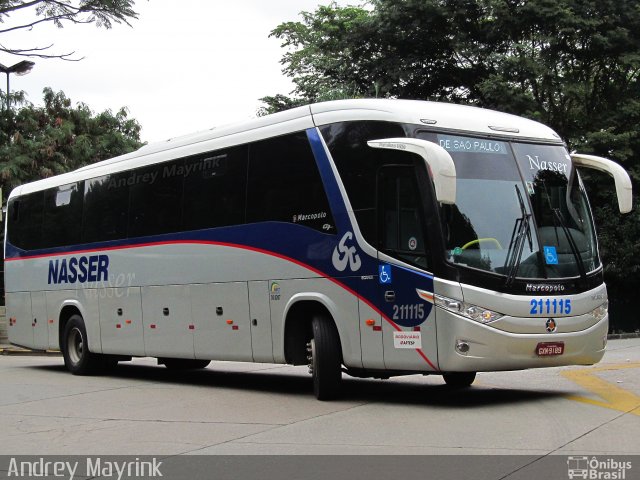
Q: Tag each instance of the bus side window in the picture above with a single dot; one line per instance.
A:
(358, 165)
(25, 222)
(215, 189)
(285, 184)
(106, 204)
(155, 204)
(401, 218)
(62, 215)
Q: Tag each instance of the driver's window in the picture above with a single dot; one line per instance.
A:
(400, 215)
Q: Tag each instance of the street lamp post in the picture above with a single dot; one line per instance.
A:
(20, 68)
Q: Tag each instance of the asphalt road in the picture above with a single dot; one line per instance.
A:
(236, 408)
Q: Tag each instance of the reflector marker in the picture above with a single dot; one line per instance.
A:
(424, 295)
(128, 322)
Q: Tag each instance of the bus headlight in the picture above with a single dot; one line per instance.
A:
(472, 312)
(601, 312)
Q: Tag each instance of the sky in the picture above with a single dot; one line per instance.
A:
(182, 67)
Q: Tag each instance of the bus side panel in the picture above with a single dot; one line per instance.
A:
(19, 315)
(400, 354)
(371, 337)
(261, 334)
(221, 321)
(40, 323)
(167, 320)
(86, 302)
(121, 321)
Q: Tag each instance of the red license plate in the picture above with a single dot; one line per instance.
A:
(549, 349)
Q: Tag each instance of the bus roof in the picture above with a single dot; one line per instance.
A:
(433, 115)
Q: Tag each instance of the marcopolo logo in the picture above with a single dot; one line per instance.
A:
(344, 255)
(597, 469)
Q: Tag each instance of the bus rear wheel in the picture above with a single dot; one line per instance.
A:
(325, 358)
(459, 379)
(75, 349)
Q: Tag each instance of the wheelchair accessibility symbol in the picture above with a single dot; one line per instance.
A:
(550, 255)
(384, 274)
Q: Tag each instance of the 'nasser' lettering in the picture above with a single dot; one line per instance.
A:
(92, 268)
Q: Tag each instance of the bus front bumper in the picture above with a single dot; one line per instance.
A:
(490, 349)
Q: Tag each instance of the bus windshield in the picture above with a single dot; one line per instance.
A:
(521, 210)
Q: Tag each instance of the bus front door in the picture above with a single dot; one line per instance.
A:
(409, 327)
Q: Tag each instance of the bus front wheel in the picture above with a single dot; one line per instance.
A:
(75, 349)
(325, 358)
(459, 379)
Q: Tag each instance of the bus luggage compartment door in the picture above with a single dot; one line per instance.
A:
(167, 321)
(19, 318)
(221, 321)
(261, 335)
(39, 320)
(121, 321)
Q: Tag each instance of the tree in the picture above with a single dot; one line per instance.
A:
(571, 64)
(27, 15)
(38, 142)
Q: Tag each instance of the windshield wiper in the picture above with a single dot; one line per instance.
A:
(521, 229)
(572, 244)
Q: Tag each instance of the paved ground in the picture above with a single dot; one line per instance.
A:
(235, 408)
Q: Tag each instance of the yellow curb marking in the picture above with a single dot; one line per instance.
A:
(614, 397)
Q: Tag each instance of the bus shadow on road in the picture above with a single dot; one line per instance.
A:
(411, 390)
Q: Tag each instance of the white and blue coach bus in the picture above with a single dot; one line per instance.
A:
(370, 237)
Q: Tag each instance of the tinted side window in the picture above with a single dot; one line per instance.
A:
(62, 223)
(25, 221)
(358, 165)
(155, 204)
(285, 184)
(106, 204)
(401, 216)
(215, 189)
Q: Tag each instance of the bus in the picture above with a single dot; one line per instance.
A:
(368, 237)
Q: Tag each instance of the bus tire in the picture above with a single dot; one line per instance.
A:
(184, 363)
(325, 357)
(459, 379)
(75, 349)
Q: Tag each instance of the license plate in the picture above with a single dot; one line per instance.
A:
(549, 349)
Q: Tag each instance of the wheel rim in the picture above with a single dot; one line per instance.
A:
(75, 345)
(312, 357)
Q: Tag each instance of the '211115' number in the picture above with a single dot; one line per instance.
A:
(548, 306)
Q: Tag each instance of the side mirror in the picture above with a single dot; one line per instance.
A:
(619, 174)
(437, 158)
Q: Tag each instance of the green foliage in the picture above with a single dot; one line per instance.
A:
(571, 64)
(32, 13)
(38, 142)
